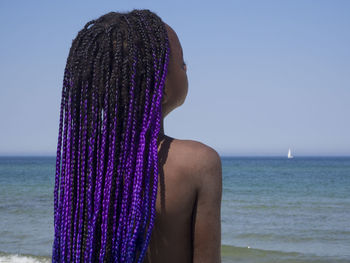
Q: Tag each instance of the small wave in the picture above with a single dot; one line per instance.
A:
(276, 237)
(232, 254)
(23, 258)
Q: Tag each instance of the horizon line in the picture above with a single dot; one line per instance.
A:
(221, 155)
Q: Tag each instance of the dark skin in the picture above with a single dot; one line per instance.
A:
(188, 223)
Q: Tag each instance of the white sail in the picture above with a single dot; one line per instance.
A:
(290, 154)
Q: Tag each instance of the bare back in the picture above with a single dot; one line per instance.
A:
(182, 232)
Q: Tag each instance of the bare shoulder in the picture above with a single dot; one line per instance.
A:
(198, 158)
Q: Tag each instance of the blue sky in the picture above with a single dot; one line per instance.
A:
(263, 75)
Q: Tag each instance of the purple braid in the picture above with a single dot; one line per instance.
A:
(66, 184)
(150, 155)
(82, 163)
(93, 242)
(78, 180)
(138, 179)
(58, 176)
(72, 172)
(130, 161)
(126, 162)
(117, 58)
(92, 149)
(59, 228)
(100, 171)
(82, 181)
(109, 173)
(155, 150)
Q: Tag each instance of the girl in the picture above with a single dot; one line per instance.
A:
(124, 191)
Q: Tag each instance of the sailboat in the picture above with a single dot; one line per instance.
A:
(290, 156)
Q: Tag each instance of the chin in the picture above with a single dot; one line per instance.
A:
(182, 102)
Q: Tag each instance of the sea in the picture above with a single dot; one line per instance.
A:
(274, 209)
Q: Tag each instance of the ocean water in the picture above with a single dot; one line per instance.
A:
(273, 209)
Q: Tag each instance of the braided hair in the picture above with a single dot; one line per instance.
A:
(107, 160)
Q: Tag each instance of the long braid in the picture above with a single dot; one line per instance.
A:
(145, 204)
(93, 146)
(125, 161)
(101, 140)
(130, 162)
(79, 174)
(66, 183)
(72, 177)
(58, 179)
(133, 240)
(111, 150)
(117, 196)
(106, 176)
(155, 154)
(59, 220)
(115, 78)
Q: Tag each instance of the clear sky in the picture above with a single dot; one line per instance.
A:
(263, 75)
